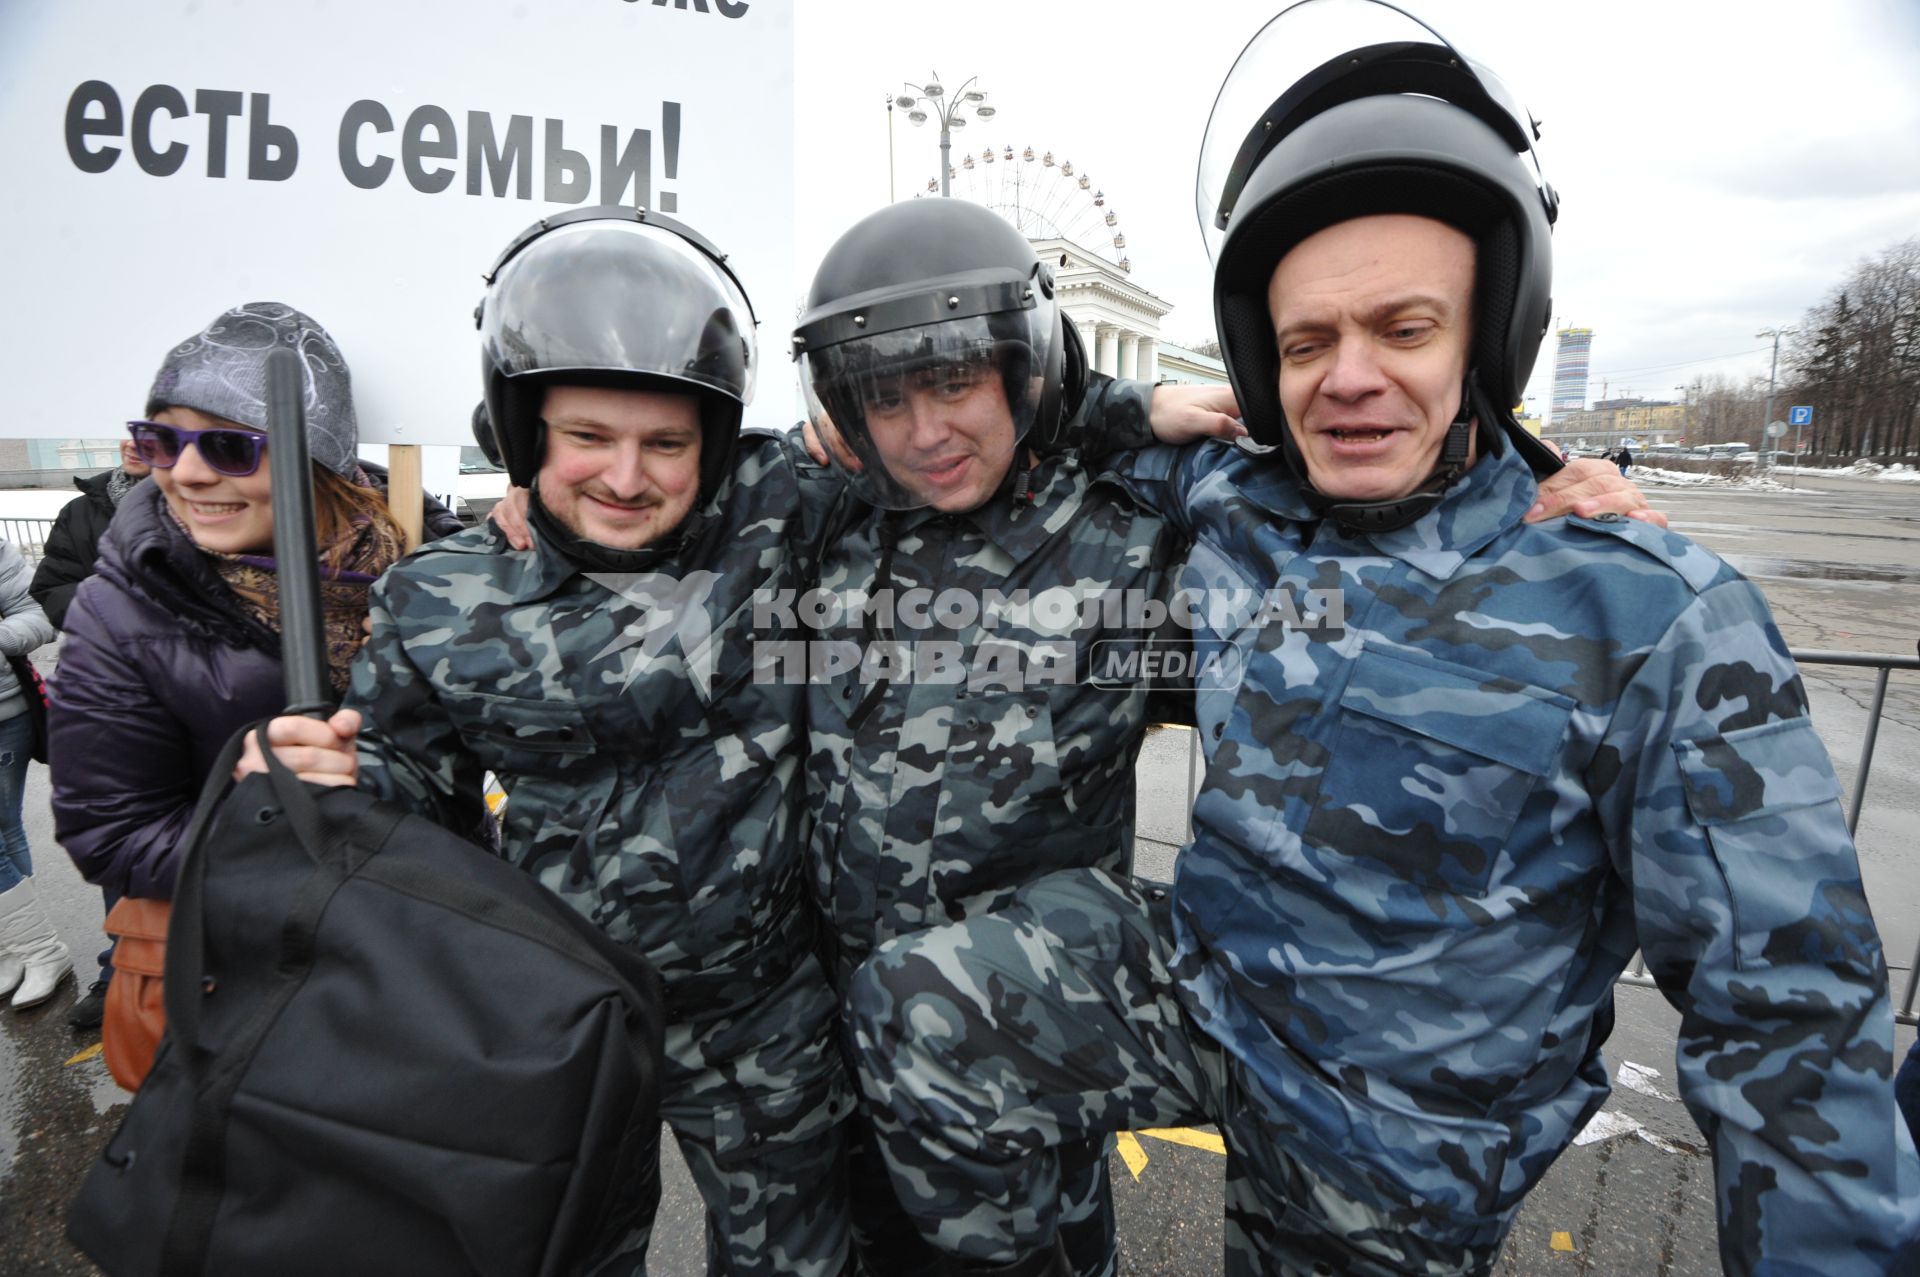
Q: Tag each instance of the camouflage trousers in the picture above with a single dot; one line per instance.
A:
(886, 1240)
(758, 1097)
(984, 1046)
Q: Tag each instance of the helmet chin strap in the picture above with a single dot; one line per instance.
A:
(1398, 512)
(1022, 477)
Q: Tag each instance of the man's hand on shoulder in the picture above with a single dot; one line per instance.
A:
(1588, 487)
(1186, 414)
(818, 442)
(509, 514)
(320, 752)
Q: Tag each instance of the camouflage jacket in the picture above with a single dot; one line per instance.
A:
(652, 781)
(938, 792)
(1435, 828)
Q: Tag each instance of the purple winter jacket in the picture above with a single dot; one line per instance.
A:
(159, 669)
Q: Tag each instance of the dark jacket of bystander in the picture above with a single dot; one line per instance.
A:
(160, 667)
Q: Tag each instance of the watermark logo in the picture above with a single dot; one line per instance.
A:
(1117, 639)
(671, 608)
(1121, 664)
(1056, 612)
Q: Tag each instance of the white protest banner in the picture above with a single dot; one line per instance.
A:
(364, 161)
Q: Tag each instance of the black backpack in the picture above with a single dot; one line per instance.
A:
(388, 1051)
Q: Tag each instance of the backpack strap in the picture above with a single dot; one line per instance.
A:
(186, 934)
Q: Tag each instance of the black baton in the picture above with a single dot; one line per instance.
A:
(303, 652)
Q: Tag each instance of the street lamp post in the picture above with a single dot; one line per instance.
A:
(951, 112)
(1766, 424)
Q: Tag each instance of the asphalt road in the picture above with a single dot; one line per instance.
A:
(1837, 560)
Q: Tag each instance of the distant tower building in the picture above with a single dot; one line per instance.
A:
(1570, 370)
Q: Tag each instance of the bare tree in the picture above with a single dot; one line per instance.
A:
(1722, 410)
(1856, 359)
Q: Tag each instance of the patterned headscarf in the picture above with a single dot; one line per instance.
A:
(222, 371)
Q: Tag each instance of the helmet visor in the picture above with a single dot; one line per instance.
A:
(930, 416)
(1315, 55)
(606, 296)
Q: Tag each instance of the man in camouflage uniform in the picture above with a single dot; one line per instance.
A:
(606, 677)
(938, 793)
(1433, 832)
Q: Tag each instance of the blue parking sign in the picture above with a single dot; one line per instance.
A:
(1800, 415)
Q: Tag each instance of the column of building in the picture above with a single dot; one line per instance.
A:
(1120, 352)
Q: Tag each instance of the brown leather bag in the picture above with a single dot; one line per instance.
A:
(135, 1015)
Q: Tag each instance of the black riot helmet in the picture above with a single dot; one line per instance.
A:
(484, 438)
(618, 297)
(1340, 109)
(925, 306)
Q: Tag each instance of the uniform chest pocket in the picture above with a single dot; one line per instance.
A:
(1430, 764)
(511, 734)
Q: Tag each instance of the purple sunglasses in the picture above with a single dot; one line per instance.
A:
(228, 450)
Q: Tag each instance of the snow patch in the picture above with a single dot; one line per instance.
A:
(1638, 1077)
(1609, 1125)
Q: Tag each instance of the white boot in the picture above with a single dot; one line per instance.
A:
(27, 935)
(11, 969)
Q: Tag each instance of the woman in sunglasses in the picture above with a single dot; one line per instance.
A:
(174, 643)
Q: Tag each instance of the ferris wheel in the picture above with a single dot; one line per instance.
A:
(1044, 198)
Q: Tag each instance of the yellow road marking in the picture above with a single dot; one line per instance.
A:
(87, 1054)
(1136, 1157)
(1563, 1241)
(1131, 1153)
(1189, 1137)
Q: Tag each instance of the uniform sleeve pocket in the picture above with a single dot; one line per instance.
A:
(1756, 771)
(1770, 804)
(1429, 767)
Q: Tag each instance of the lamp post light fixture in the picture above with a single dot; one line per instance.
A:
(931, 101)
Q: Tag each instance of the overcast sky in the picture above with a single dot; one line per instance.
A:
(1722, 164)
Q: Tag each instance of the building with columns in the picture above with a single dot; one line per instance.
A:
(1118, 320)
(1191, 367)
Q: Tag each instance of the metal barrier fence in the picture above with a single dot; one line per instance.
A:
(29, 536)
